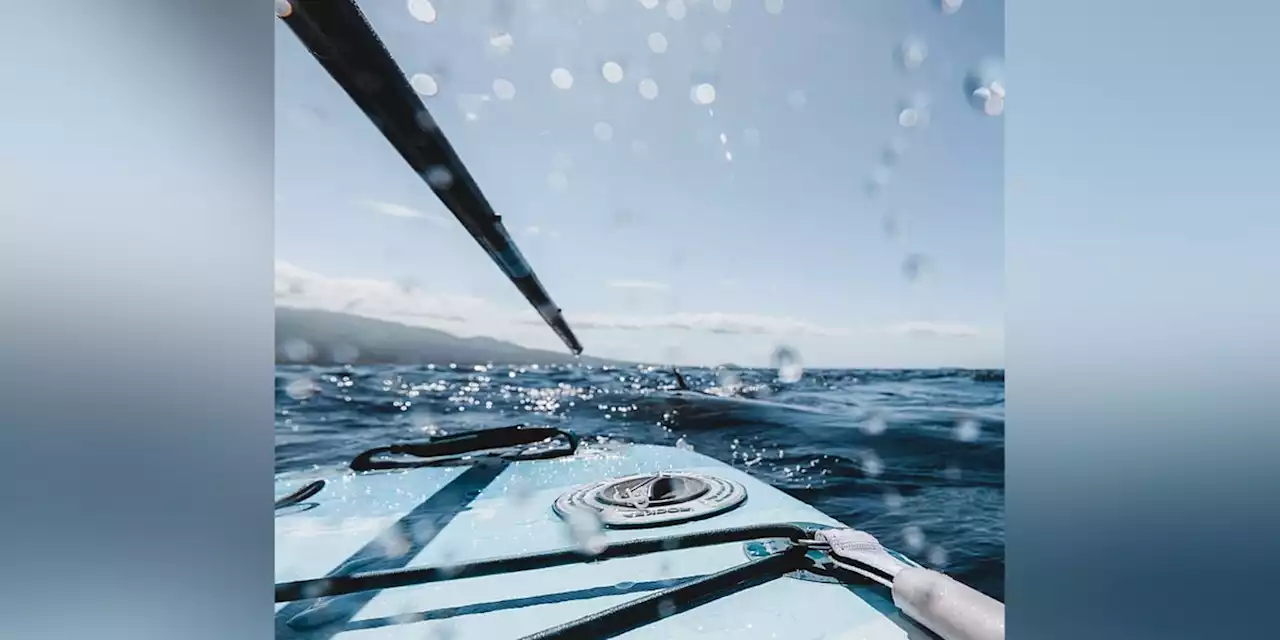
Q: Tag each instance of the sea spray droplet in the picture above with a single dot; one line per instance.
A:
(913, 537)
(422, 10)
(424, 84)
(301, 389)
(666, 608)
(504, 89)
(587, 531)
(612, 72)
(912, 53)
(787, 361)
(602, 131)
(561, 78)
(985, 89)
(439, 177)
(874, 425)
(676, 9)
(872, 466)
(912, 266)
(648, 89)
(892, 499)
(657, 43)
(937, 557)
(703, 94)
(502, 41)
(968, 430)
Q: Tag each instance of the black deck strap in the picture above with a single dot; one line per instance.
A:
(365, 581)
(617, 620)
(467, 442)
(326, 617)
(310, 489)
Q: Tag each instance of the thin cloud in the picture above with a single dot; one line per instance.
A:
(935, 329)
(409, 304)
(638, 284)
(401, 211)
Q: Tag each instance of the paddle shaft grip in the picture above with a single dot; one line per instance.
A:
(948, 608)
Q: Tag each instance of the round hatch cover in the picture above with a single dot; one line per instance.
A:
(654, 499)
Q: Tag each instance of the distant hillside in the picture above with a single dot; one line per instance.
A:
(326, 337)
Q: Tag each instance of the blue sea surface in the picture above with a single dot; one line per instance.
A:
(914, 457)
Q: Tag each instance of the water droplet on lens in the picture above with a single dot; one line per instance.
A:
(504, 89)
(625, 585)
(393, 544)
(683, 444)
(603, 131)
(676, 9)
(937, 556)
(649, 4)
(298, 350)
(797, 98)
(913, 538)
(722, 6)
(666, 608)
(502, 41)
(712, 43)
(440, 177)
(561, 78)
(968, 430)
(422, 10)
(587, 531)
(874, 426)
(301, 389)
(787, 361)
(951, 6)
(558, 181)
(751, 136)
(773, 6)
(912, 53)
(657, 43)
(424, 84)
(612, 72)
(984, 88)
(912, 266)
(892, 499)
(909, 117)
(703, 94)
(872, 466)
(648, 89)
(284, 8)
(315, 590)
(345, 354)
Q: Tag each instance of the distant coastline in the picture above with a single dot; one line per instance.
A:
(312, 336)
(331, 338)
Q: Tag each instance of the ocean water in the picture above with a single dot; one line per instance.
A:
(914, 457)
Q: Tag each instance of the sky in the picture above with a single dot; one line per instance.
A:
(719, 179)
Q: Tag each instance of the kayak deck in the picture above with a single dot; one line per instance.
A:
(462, 514)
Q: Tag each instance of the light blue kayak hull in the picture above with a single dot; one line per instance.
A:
(463, 514)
